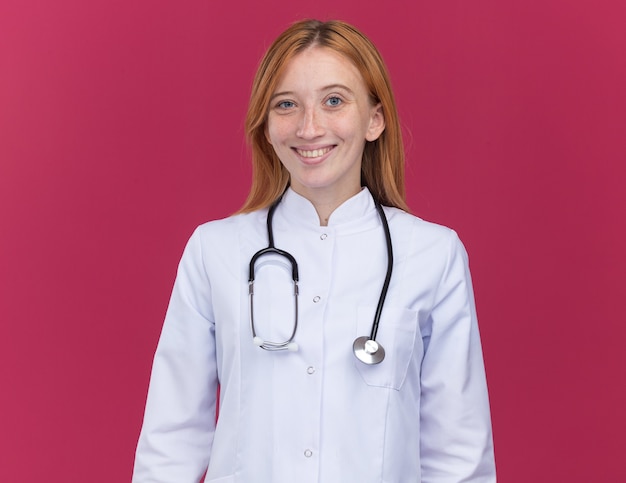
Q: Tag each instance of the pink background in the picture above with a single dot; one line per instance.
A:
(121, 130)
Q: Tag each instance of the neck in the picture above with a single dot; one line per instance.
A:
(327, 202)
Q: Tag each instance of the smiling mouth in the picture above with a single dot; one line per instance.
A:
(314, 153)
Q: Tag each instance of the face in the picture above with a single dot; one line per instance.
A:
(320, 117)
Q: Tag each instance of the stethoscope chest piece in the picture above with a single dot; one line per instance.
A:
(368, 351)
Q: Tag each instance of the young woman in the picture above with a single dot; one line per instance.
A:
(340, 329)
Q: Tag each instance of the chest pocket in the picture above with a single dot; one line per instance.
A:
(398, 334)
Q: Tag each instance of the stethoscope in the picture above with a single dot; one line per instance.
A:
(366, 349)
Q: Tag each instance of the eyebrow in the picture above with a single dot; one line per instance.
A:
(325, 88)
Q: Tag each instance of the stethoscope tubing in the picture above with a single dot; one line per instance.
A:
(383, 292)
(368, 351)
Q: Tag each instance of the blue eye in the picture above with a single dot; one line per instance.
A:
(286, 104)
(333, 101)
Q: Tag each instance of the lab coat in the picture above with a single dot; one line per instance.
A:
(319, 415)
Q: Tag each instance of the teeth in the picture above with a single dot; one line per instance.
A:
(316, 153)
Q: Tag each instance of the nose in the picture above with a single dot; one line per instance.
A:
(309, 124)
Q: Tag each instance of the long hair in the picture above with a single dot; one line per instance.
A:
(382, 167)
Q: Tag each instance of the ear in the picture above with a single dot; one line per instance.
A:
(377, 123)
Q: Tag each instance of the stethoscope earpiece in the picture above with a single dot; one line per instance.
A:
(258, 341)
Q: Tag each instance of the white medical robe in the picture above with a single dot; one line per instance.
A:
(319, 415)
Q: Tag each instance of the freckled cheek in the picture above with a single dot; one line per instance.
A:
(277, 131)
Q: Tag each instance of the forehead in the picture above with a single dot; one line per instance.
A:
(317, 66)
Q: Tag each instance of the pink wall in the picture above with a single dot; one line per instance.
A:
(121, 129)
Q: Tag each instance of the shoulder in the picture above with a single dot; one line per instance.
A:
(426, 230)
(218, 238)
(231, 226)
(415, 238)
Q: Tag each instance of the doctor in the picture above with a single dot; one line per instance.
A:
(300, 400)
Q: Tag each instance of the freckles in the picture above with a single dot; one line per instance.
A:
(277, 129)
(272, 128)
